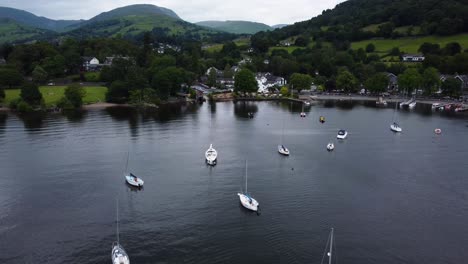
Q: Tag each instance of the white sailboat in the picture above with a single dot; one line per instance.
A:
(329, 250)
(211, 155)
(246, 200)
(395, 127)
(118, 254)
(131, 178)
(281, 148)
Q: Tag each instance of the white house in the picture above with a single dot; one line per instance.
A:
(90, 63)
(268, 80)
(413, 57)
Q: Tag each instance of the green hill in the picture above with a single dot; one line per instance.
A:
(32, 20)
(236, 27)
(133, 25)
(128, 11)
(356, 20)
(12, 31)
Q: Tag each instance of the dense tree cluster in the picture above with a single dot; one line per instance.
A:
(347, 21)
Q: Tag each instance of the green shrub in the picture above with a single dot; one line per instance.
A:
(24, 107)
(14, 103)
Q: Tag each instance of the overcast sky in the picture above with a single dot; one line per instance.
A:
(266, 11)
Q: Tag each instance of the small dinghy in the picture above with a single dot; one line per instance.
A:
(438, 131)
(303, 114)
(283, 150)
(131, 178)
(251, 115)
(246, 200)
(307, 103)
(395, 128)
(330, 146)
(342, 134)
(322, 119)
(211, 156)
(134, 180)
(119, 256)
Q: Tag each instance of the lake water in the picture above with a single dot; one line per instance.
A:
(392, 198)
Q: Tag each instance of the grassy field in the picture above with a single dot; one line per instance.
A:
(411, 45)
(52, 94)
(288, 49)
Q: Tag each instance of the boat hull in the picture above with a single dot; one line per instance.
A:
(395, 129)
(248, 203)
(211, 156)
(137, 182)
(283, 151)
(344, 136)
(118, 255)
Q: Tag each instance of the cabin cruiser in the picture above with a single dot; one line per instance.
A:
(395, 127)
(342, 134)
(134, 180)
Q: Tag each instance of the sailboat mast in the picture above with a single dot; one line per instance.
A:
(331, 248)
(245, 176)
(118, 239)
(126, 165)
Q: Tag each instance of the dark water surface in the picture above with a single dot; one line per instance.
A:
(392, 198)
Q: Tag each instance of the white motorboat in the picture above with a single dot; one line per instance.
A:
(381, 102)
(134, 180)
(330, 146)
(395, 128)
(307, 103)
(118, 254)
(283, 150)
(435, 106)
(303, 114)
(131, 178)
(412, 105)
(211, 156)
(246, 200)
(342, 134)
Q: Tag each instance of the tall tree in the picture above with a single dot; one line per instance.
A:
(74, 94)
(346, 81)
(212, 76)
(430, 80)
(244, 81)
(300, 81)
(10, 77)
(451, 86)
(39, 75)
(409, 80)
(377, 83)
(30, 94)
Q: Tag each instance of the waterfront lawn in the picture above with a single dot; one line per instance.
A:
(52, 94)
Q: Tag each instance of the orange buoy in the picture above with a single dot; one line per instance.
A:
(438, 131)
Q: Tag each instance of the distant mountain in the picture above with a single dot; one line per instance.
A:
(32, 20)
(280, 26)
(128, 22)
(236, 27)
(132, 21)
(12, 31)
